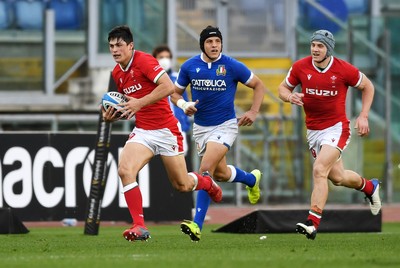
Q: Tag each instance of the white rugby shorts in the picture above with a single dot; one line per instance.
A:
(337, 136)
(224, 133)
(162, 141)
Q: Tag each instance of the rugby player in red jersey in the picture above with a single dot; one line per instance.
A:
(147, 86)
(324, 81)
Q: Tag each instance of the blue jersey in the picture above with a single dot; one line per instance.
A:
(214, 85)
(178, 112)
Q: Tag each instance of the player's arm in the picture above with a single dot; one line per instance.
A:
(164, 88)
(286, 94)
(258, 96)
(177, 95)
(188, 107)
(368, 90)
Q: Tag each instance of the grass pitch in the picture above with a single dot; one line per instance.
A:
(168, 247)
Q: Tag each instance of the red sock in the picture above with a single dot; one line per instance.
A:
(203, 183)
(366, 186)
(133, 198)
(315, 215)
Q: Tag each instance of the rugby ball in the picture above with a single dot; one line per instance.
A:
(113, 98)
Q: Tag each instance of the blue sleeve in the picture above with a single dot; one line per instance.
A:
(180, 114)
(183, 79)
(243, 73)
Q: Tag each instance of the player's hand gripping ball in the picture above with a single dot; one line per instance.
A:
(112, 99)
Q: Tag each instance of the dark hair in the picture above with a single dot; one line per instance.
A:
(161, 48)
(121, 32)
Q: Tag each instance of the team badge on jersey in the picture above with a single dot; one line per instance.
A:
(221, 70)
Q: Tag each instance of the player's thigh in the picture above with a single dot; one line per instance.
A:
(214, 154)
(176, 168)
(326, 159)
(134, 157)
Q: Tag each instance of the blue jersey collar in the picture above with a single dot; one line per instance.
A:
(210, 63)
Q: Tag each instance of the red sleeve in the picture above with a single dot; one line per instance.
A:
(292, 79)
(150, 67)
(352, 74)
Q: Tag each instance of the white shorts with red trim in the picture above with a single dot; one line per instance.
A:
(337, 136)
(159, 141)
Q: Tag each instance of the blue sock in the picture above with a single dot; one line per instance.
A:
(202, 203)
(244, 177)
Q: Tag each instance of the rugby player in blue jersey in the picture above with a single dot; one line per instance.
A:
(213, 78)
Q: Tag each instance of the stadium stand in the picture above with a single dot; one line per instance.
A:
(113, 13)
(313, 19)
(68, 14)
(29, 14)
(5, 15)
(359, 7)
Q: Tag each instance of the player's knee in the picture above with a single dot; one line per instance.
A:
(319, 171)
(206, 167)
(124, 173)
(121, 171)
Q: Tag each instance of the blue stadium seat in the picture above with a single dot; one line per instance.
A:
(113, 13)
(29, 14)
(313, 19)
(5, 18)
(358, 7)
(68, 14)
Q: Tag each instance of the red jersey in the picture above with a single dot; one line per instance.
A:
(139, 79)
(324, 91)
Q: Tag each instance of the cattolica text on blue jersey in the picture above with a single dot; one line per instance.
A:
(208, 83)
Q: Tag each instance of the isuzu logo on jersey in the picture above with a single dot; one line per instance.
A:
(132, 89)
(321, 92)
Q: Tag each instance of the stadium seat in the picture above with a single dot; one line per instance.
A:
(357, 7)
(29, 14)
(3, 16)
(313, 19)
(68, 14)
(5, 19)
(113, 13)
